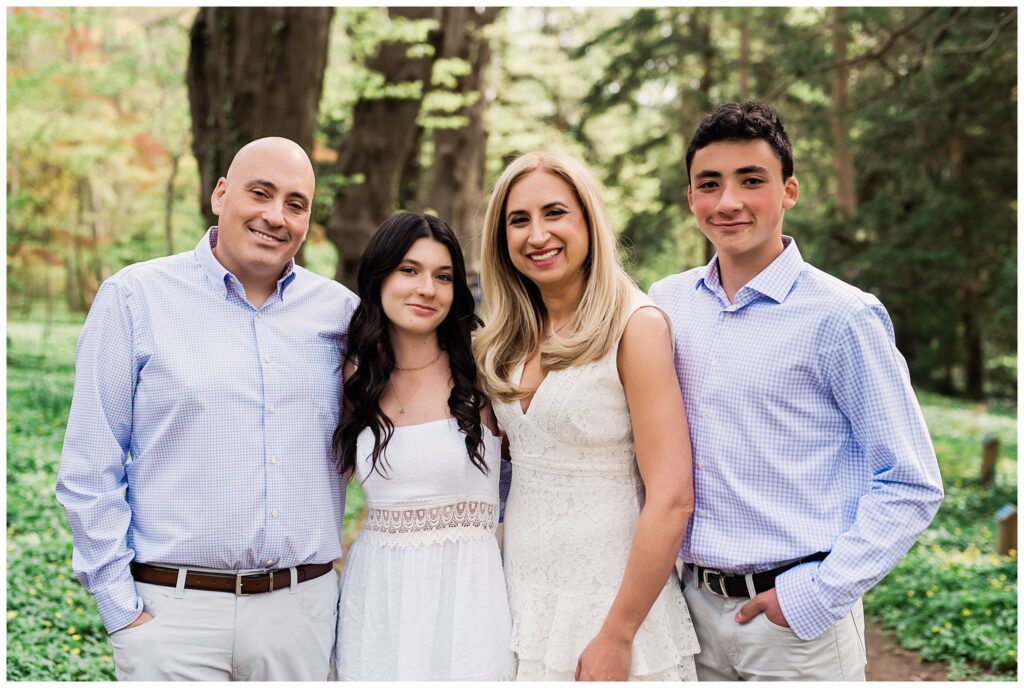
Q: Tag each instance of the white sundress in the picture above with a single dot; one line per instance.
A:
(569, 521)
(423, 595)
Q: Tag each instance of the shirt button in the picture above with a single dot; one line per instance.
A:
(705, 413)
(701, 513)
(700, 563)
(259, 314)
(273, 460)
(269, 562)
(729, 316)
(270, 408)
(274, 513)
(701, 463)
(712, 362)
(266, 359)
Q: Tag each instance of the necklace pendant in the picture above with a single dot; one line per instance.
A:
(401, 409)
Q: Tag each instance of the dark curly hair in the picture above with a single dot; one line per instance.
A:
(370, 343)
(747, 121)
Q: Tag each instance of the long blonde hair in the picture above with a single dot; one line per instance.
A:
(515, 309)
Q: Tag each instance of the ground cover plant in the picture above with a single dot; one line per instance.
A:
(53, 631)
(952, 599)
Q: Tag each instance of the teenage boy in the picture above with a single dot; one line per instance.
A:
(813, 469)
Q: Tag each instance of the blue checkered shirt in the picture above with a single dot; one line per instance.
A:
(200, 426)
(807, 436)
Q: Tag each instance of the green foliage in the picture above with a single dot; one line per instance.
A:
(96, 113)
(953, 598)
(53, 630)
(931, 120)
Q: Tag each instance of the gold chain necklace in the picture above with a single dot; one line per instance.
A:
(560, 328)
(394, 388)
(425, 365)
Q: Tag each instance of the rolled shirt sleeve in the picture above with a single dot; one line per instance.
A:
(870, 383)
(91, 482)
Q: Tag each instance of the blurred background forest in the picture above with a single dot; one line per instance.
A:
(904, 123)
(903, 119)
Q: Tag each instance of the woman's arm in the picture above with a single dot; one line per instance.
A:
(664, 457)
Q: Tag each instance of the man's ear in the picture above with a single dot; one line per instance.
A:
(217, 197)
(689, 197)
(792, 191)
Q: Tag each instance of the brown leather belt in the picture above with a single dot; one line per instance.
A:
(240, 584)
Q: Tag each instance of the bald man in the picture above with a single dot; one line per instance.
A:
(196, 473)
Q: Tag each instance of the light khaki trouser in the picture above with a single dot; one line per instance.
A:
(285, 635)
(761, 651)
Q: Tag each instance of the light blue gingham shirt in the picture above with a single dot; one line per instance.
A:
(806, 433)
(200, 426)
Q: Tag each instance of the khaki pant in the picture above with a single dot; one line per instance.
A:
(201, 635)
(762, 651)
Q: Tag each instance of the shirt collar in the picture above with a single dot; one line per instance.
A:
(220, 275)
(775, 281)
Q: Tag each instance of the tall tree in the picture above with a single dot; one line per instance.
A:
(253, 72)
(456, 190)
(376, 149)
(846, 192)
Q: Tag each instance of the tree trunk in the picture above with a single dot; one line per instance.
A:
(169, 204)
(376, 150)
(253, 72)
(975, 362)
(457, 173)
(704, 32)
(75, 267)
(97, 230)
(744, 67)
(846, 192)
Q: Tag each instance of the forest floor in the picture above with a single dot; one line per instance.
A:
(887, 661)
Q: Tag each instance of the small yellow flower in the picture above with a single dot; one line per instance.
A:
(76, 637)
(11, 614)
(929, 594)
(47, 623)
(57, 615)
(965, 612)
(66, 647)
(947, 625)
(105, 658)
(1002, 576)
(910, 593)
(76, 651)
(72, 631)
(1011, 653)
(1012, 553)
(936, 629)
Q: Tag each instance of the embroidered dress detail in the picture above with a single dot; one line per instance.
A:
(448, 522)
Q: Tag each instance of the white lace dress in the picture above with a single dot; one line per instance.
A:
(572, 509)
(423, 595)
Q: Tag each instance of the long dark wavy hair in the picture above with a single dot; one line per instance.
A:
(370, 343)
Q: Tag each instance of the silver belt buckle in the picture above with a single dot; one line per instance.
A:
(721, 582)
(238, 581)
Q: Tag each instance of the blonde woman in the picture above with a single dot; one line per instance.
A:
(578, 364)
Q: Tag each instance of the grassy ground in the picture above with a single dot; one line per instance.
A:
(952, 598)
(53, 631)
